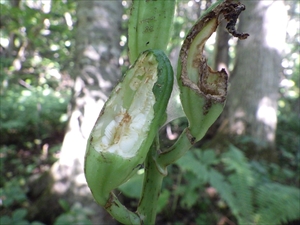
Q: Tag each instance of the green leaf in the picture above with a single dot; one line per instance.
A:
(65, 219)
(64, 204)
(207, 157)
(189, 163)
(13, 192)
(19, 214)
(217, 180)
(37, 223)
(277, 203)
(189, 199)
(76, 215)
(7, 201)
(5, 220)
(235, 154)
(21, 222)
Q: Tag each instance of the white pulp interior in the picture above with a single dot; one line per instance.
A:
(119, 130)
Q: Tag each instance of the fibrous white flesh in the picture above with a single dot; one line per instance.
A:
(122, 127)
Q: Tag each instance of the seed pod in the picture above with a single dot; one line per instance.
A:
(150, 25)
(128, 123)
(202, 91)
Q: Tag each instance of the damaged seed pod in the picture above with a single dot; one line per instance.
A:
(203, 91)
(127, 124)
(150, 26)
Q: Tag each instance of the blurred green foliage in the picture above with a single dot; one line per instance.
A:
(218, 183)
(73, 215)
(37, 43)
(13, 193)
(31, 116)
(17, 218)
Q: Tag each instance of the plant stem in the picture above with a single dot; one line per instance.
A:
(151, 188)
(176, 151)
(155, 170)
(118, 211)
(176, 195)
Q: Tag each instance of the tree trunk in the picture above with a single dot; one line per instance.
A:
(221, 56)
(96, 73)
(252, 101)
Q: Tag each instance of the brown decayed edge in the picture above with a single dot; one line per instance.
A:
(199, 60)
(231, 13)
(110, 201)
(191, 138)
(215, 91)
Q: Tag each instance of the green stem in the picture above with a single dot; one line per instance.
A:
(118, 211)
(151, 188)
(155, 170)
(176, 194)
(176, 151)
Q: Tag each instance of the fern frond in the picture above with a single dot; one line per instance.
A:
(241, 180)
(277, 203)
(217, 180)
